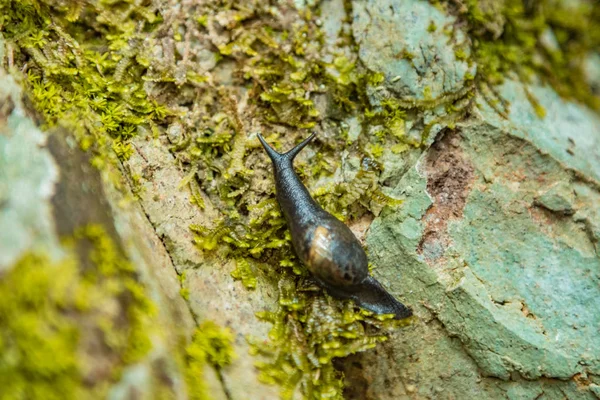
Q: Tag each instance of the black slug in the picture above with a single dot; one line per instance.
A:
(324, 244)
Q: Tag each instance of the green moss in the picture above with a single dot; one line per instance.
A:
(38, 340)
(114, 276)
(540, 111)
(309, 328)
(427, 93)
(210, 345)
(44, 305)
(308, 332)
(86, 67)
(548, 39)
(407, 55)
(460, 54)
(244, 273)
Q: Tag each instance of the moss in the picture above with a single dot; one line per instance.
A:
(38, 340)
(44, 305)
(114, 276)
(547, 39)
(407, 55)
(309, 328)
(86, 66)
(427, 93)
(244, 273)
(540, 111)
(460, 54)
(210, 345)
(308, 332)
(185, 293)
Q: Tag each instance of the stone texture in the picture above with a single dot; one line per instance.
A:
(213, 294)
(27, 178)
(512, 278)
(405, 40)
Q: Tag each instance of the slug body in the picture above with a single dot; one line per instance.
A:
(324, 244)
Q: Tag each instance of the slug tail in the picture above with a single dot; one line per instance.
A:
(372, 296)
(279, 159)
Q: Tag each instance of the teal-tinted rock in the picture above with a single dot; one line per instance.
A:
(405, 40)
(569, 132)
(595, 389)
(516, 284)
(27, 178)
(558, 198)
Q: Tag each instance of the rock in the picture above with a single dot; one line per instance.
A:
(27, 177)
(496, 245)
(513, 284)
(405, 41)
(559, 198)
(595, 389)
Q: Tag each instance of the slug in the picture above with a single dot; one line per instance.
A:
(325, 245)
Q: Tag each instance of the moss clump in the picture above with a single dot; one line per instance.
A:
(86, 65)
(244, 272)
(114, 276)
(548, 39)
(308, 332)
(38, 339)
(309, 327)
(44, 305)
(210, 345)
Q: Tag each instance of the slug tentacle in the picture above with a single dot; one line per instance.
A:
(324, 244)
(281, 160)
